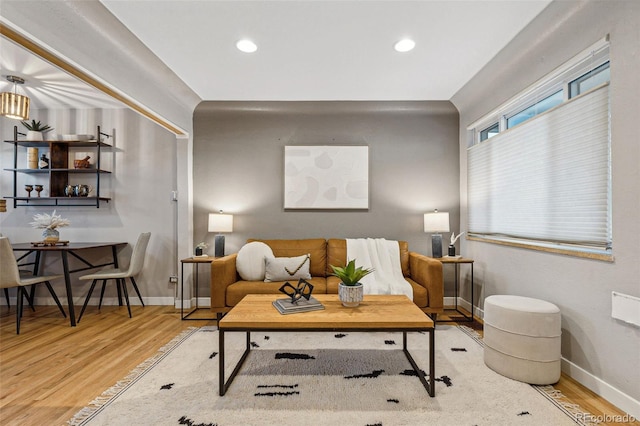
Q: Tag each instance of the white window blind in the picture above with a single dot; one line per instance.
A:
(547, 180)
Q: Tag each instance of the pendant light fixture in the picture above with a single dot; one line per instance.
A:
(13, 105)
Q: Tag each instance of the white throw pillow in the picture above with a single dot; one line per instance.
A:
(250, 260)
(287, 268)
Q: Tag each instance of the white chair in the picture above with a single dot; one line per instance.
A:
(135, 266)
(10, 277)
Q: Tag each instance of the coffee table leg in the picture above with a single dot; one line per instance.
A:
(430, 385)
(432, 361)
(224, 386)
(221, 361)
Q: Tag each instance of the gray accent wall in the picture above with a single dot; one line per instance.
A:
(599, 351)
(238, 163)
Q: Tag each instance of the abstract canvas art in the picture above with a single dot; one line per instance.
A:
(326, 177)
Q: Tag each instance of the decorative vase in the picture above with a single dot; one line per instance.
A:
(198, 251)
(32, 158)
(50, 235)
(452, 250)
(350, 295)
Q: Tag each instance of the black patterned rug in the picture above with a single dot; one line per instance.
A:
(324, 379)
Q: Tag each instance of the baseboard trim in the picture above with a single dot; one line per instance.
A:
(203, 302)
(615, 396)
(110, 301)
(451, 301)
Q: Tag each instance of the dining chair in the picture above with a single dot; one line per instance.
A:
(120, 275)
(10, 276)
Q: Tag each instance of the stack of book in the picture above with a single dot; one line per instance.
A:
(284, 306)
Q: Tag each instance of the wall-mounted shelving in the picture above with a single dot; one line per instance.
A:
(58, 172)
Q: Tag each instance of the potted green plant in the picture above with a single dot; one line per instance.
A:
(36, 130)
(350, 289)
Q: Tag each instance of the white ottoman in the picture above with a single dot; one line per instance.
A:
(522, 338)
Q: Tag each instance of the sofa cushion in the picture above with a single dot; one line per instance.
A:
(250, 262)
(316, 247)
(236, 291)
(286, 268)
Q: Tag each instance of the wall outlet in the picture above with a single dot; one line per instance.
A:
(173, 279)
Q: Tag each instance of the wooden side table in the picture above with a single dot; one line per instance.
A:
(457, 261)
(196, 261)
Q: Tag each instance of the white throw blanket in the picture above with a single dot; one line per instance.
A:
(384, 257)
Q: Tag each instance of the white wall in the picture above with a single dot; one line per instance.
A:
(599, 351)
(143, 165)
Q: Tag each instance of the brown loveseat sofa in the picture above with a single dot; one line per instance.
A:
(422, 272)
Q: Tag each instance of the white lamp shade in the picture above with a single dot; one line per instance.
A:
(220, 222)
(436, 222)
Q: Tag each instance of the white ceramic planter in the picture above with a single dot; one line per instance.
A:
(350, 295)
(34, 136)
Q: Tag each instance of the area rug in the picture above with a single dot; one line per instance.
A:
(324, 378)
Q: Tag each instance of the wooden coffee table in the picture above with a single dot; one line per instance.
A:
(255, 312)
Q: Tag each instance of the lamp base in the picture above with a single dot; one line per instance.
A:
(218, 244)
(436, 245)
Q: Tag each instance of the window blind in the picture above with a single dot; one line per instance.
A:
(547, 179)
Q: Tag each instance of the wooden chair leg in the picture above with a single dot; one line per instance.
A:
(126, 295)
(135, 287)
(86, 301)
(55, 297)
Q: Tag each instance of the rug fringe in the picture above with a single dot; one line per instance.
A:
(94, 406)
(579, 415)
(471, 333)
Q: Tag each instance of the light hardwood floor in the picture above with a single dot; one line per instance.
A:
(51, 370)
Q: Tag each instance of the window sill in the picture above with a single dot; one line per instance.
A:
(576, 252)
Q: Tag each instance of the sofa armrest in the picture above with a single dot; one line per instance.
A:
(223, 274)
(427, 272)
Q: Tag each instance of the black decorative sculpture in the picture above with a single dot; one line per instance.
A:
(303, 289)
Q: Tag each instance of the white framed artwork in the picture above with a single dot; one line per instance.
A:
(326, 177)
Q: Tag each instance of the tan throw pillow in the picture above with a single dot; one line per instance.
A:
(250, 260)
(287, 268)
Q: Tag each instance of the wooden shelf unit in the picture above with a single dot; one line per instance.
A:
(58, 171)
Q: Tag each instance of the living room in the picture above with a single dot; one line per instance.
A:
(230, 158)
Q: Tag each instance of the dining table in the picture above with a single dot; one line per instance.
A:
(65, 250)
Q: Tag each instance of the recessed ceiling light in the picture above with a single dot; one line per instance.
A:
(405, 45)
(246, 46)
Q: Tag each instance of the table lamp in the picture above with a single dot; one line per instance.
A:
(219, 222)
(435, 223)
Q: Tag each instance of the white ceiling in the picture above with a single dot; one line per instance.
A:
(325, 50)
(307, 50)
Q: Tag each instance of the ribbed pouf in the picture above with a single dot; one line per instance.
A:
(522, 338)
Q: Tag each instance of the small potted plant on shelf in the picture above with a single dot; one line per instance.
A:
(350, 289)
(36, 130)
(49, 223)
(200, 247)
